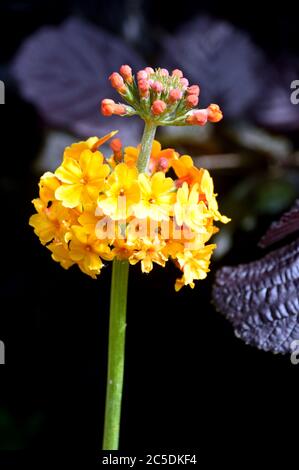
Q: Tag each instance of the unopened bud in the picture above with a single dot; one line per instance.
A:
(193, 90)
(198, 118)
(117, 82)
(142, 75)
(192, 101)
(126, 73)
(177, 73)
(116, 145)
(175, 95)
(184, 82)
(158, 107)
(164, 72)
(157, 87)
(143, 86)
(149, 70)
(214, 113)
(109, 107)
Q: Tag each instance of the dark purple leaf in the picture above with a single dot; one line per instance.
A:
(228, 66)
(64, 71)
(261, 299)
(288, 224)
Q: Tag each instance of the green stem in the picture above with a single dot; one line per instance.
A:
(116, 354)
(117, 327)
(146, 146)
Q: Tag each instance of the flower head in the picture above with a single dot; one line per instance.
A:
(166, 98)
(89, 211)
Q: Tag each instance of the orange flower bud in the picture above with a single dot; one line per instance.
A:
(149, 70)
(193, 90)
(164, 72)
(158, 107)
(116, 145)
(214, 113)
(117, 82)
(119, 109)
(184, 82)
(142, 75)
(177, 73)
(175, 95)
(157, 87)
(198, 118)
(192, 101)
(143, 86)
(126, 73)
(107, 107)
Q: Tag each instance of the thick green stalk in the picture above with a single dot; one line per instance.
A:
(116, 354)
(146, 146)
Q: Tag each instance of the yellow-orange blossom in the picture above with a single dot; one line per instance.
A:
(153, 217)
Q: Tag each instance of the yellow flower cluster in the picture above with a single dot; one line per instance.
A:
(94, 209)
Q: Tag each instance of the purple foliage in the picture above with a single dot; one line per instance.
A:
(64, 71)
(261, 299)
(223, 60)
(286, 225)
(233, 72)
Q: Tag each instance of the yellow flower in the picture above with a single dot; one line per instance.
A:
(207, 187)
(186, 171)
(51, 223)
(148, 252)
(61, 254)
(52, 220)
(93, 143)
(189, 210)
(195, 265)
(81, 180)
(122, 193)
(87, 250)
(123, 248)
(157, 197)
(47, 187)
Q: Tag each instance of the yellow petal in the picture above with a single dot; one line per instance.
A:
(69, 172)
(207, 185)
(145, 185)
(43, 227)
(93, 262)
(69, 195)
(156, 148)
(81, 233)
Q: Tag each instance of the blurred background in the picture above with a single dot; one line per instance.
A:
(188, 378)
